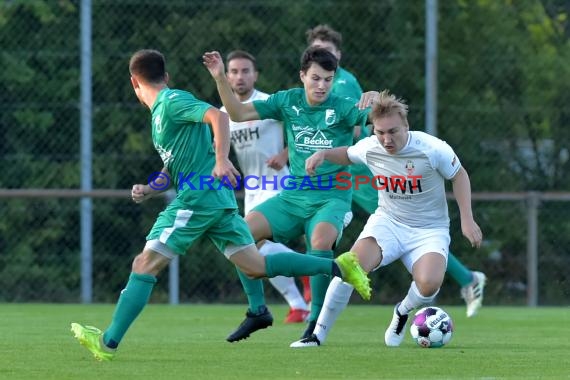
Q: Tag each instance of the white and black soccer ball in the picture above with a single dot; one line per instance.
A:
(431, 327)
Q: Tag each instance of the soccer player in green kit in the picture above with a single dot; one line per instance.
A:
(345, 84)
(309, 205)
(205, 204)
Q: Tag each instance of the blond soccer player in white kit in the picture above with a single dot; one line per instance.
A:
(257, 145)
(411, 222)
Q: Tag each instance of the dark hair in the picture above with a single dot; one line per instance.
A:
(324, 33)
(237, 54)
(320, 56)
(149, 65)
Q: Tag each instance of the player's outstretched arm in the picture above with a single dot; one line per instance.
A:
(158, 183)
(335, 155)
(238, 111)
(462, 193)
(220, 126)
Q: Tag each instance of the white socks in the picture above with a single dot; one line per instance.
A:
(336, 300)
(414, 300)
(284, 285)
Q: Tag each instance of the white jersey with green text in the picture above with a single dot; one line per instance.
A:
(254, 142)
(411, 183)
(184, 144)
(310, 129)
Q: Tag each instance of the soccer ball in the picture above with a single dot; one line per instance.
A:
(431, 327)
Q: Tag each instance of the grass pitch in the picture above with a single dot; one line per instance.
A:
(188, 342)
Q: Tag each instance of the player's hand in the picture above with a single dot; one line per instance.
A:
(278, 161)
(472, 232)
(225, 169)
(367, 99)
(214, 63)
(139, 193)
(313, 162)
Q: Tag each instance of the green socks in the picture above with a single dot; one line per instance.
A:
(317, 264)
(319, 285)
(290, 264)
(132, 300)
(458, 271)
(253, 290)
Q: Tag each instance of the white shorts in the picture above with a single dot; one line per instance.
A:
(399, 241)
(253, 199)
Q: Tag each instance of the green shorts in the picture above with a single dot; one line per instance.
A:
(178, 228)
(292, 216)
(366, 196)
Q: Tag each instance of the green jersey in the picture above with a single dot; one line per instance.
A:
(184, 143)
(310, 129)
(345, 85)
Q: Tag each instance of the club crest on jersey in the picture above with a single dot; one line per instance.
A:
(330, 117)
(410, 167)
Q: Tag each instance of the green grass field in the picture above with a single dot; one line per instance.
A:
(188, 342)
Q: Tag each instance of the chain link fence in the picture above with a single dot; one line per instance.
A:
(502, 102)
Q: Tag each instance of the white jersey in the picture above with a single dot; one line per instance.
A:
(254, 143)
(411, 183)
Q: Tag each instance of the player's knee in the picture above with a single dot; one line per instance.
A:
(258, 225)
(148, 263)
(252, 274)
(321, 243)
(249, 262)
(368, 259)
(428, 286)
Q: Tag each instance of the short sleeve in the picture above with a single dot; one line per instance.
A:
(185, 107)
(447, 163)
(271, 107)
(356, 116)
(357, 152)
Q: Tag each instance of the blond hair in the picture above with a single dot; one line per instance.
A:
(387, 105)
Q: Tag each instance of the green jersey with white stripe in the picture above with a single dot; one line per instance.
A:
(184, 143)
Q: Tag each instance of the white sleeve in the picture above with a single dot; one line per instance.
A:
(357, 152)
(447, 163)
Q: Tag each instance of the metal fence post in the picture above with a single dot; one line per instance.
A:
(86, 153)
(431, 67)
(174, 281)
(174, 266)
(533, 201)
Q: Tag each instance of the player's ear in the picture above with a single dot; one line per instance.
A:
(166, 77)
(302, 76)
(134, 82)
